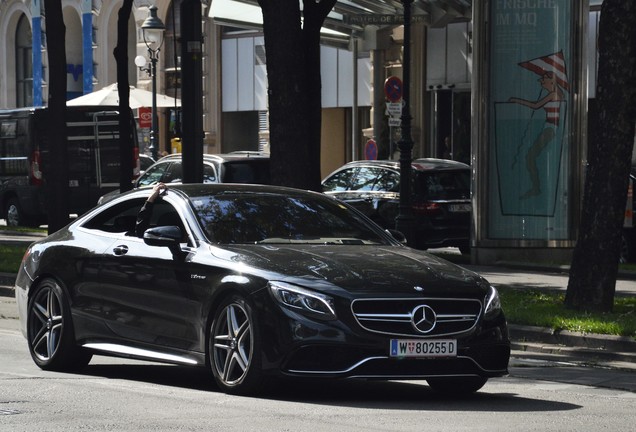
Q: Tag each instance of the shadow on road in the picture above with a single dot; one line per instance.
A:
(365, 394)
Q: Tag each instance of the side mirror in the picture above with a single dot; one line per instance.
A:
(164, 236)
(397, 235)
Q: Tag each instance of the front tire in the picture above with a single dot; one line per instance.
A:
(234, 348)
(50, 332)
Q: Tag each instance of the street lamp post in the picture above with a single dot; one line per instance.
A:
(404, 220)
(153, 29)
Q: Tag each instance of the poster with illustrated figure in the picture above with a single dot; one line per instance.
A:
(530, 93)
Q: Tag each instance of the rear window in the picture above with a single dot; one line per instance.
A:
(254, 171)
(443, 185)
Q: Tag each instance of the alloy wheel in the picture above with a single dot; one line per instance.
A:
(232, 344)
(46, 323)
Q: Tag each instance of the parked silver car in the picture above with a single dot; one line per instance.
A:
(236, 167)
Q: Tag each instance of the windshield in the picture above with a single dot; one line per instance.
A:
(255, 218)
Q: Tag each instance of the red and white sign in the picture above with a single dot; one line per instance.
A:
(145, 117)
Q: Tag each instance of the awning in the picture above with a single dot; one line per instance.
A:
(109, 96)
(349, 17)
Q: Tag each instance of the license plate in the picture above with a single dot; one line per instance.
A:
(460, 208)
(423, 348)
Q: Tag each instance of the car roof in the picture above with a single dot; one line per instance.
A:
(221, 157)
(199, 189)
(421, 164)
(439, 164)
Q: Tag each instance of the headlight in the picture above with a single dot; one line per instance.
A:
(303, 300)
(492, 302)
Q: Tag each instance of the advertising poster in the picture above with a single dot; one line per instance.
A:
(529, 125)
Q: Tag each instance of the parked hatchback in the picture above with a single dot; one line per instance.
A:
(440, 198)
(236, 167)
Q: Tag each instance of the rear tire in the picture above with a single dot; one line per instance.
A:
(15, 215)
(50, 333)
(456, 386)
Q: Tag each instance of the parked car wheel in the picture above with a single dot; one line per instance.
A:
(234, 348)
(456, 386)
(627, 253)
(50, 330)
(14, 215)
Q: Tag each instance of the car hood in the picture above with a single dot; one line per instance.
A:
(357, 268)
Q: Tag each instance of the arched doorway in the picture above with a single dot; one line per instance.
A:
(23, 63)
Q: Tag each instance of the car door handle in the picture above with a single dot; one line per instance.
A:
(120, 250)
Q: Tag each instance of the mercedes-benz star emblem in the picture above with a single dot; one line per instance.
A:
(423, 318)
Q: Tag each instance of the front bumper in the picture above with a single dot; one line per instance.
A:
(295, 345)
(333, 361)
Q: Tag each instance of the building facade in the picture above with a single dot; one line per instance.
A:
(458, 82)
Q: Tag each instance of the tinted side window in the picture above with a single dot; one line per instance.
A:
(340, 181)
(253, 171)
(153, 175)
(145, 162)
(120, 218)
(174, 174)
(367, 179)
(444, 185)
(13, 154)
(387, 180)
(209, 174)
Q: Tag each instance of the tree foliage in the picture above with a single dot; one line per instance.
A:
(594, 268)
(57, 173)
(292, 45)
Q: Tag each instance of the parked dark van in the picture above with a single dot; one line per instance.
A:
(93, 160)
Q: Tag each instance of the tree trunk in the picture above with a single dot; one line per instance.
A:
(123, 88)
(57, 175)
(594, 267)
(314, 14)
(293, 74)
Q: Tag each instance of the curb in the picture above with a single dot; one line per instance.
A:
(7, 280)
(617, 352)
(545, 268)
(570, 338)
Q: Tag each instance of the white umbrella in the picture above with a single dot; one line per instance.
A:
(109, 96)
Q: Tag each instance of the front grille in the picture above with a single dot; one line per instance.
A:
(400, 317)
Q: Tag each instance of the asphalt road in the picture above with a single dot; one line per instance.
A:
(122, 395)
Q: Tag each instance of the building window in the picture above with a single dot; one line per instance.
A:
(24, 63)
(172, 49)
